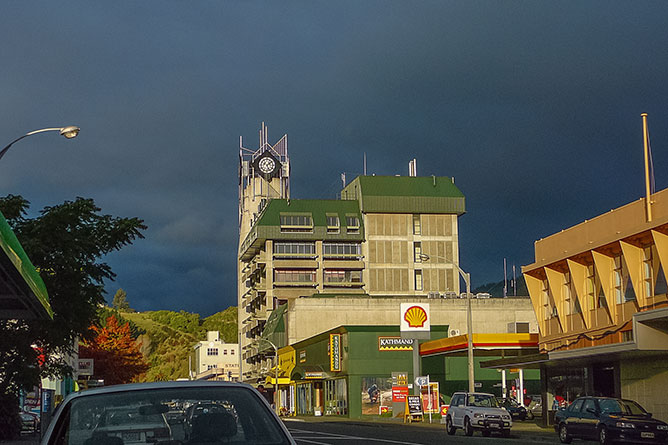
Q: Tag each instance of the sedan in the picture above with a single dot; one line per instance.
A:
(135, 414)
(517, 411)
(609, 420)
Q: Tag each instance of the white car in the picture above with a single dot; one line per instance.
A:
(473, 411)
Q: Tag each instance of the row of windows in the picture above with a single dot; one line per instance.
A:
(304, 223)
(214, 351)
(309, 276)
(654, 282)
(308, 248)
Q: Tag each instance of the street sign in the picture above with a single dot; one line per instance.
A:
(422, 381)
(477, 385)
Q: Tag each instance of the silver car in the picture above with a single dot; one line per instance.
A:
(135, 414)
(476, 411)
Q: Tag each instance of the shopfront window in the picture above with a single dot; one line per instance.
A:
(336, 397)
(304, 398)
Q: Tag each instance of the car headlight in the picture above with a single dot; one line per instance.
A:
(505, 417)
(662, 427)
(625, 425)
(478, 415)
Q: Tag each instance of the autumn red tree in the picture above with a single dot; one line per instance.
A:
(116, 356)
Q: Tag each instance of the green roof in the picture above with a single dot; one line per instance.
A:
(23, 293)
(405, 194)
(317, 208)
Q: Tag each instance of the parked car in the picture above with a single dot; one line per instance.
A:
(473, 411)
(516, 410)
(135, 413)
(608, 420)
(29, 422)
(535, 406)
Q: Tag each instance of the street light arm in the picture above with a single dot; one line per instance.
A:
(69, 132)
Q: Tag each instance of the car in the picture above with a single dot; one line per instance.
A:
(535, 406)
(608, 420)
(29, 422)
(135, 414)
(516, 410)
(475, 411)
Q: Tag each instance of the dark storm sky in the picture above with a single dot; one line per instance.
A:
(533, 106)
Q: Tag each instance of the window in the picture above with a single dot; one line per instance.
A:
(294, 276)
(547, 309)
(334, 250)
(296, 223)
(352, 224)
(294, 249)
(212, 351)
(231, 351)
(417, 252)
(333, 224)
(591, 286)
(647, 271)
(588, 404)
(342, 276)
(224, 351)
(577, 406)
(418, 280)
(211, 367)
(567, 293)
(618, 279)
(417, 225)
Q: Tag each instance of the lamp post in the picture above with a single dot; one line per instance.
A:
(469, 321)
(69, 132)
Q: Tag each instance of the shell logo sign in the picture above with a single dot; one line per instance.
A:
(415, 317)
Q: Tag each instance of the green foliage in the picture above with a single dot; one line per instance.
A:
(120, 301)
(104, 312)
(171, 336)
(65, 243)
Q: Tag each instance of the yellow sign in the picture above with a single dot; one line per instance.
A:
(335, 352)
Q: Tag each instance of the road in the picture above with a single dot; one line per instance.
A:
(352, 432)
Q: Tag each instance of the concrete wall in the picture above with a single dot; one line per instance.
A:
(307, 317)
(645, 381)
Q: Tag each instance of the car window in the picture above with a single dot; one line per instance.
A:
(198, 415)
(457, 400)
(482, 400)
(588, 404)
(631, 407)
(610, 406)
(576, 406)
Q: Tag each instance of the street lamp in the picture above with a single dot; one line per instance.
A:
(469, 321)
(68, 132)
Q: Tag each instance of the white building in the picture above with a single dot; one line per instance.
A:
(216, 360)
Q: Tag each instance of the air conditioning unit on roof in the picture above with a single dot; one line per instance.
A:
(453, 333)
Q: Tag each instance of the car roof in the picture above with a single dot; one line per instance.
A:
(157, 385)
(475, 393)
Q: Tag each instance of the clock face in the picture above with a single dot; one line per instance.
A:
(267, 165)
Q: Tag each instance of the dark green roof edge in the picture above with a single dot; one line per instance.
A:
(15, 253)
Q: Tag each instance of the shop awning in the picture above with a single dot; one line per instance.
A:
(309, 372)
(483, 344)
(22, 291)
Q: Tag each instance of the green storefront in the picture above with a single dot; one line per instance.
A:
(347, 371)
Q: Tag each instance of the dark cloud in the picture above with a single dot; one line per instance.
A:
(533, 106)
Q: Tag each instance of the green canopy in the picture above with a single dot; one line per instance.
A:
(22, 291)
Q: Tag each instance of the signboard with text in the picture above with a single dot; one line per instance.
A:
(395, 344)
(335, 352)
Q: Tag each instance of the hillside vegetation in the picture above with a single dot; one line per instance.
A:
(167, 338)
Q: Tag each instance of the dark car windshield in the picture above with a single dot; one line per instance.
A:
(626, 407)
(225, 413)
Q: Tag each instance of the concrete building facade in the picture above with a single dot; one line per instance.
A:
(216, 360)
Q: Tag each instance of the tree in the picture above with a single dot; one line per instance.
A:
(120, 301)
(115, 353)
(65, 244)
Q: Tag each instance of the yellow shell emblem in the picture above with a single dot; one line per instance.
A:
(415, 316)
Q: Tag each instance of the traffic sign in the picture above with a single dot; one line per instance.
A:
(422, 381)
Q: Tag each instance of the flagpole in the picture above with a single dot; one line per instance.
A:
(648, 203)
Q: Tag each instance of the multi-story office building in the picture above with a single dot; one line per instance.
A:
(216, 360)
(599, 293)
(386, 237)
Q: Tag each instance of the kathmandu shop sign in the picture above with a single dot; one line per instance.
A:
(395, 344)
(335, 352)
